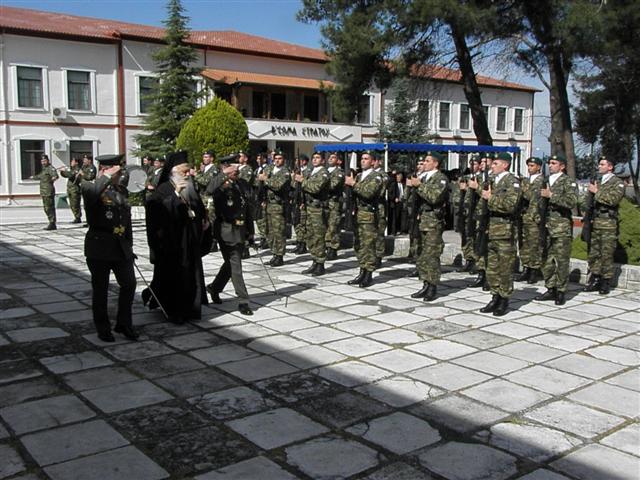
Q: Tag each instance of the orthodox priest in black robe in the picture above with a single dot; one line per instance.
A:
(177, 231)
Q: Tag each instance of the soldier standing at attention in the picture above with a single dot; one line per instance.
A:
(366, 188)
(301, 227)
(108, 247)
(261, 206)
(277, 181)
(73, 177)
(531, 251)
(562, 193)
(608, 194)
(502, 199)
(468, 206)
(381, 218)
(316, 191)
(412, 215)
(477, 185)
(47, 176)
(201, 179)
(336, 189)
(432, 191)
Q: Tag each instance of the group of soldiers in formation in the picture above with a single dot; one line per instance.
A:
(500, 216)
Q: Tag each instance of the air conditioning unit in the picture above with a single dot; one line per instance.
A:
(59, 113)
(59, 146)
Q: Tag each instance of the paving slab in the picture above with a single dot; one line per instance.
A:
(449, 376)
(630, 380)
(585, 365)
(310, 356)
(598, 461)
(157, 421)
(11, 463)
(400, 391)
(343, 409)
(480, 462)
(155, 367)
(506, 395)
(35, 334)
(398, 471)
(75, 361)
(115, 398)
(616, 400)
(626, 439)
(100, 377)
(547, 379)
(257, 467)
(232, 403)
(298, 386)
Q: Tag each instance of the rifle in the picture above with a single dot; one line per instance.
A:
(587, 219)
(460, 223)
(261, 197)
(297, 200)
(543, 210)
(481, 245)
(470, 226)
(349, 208)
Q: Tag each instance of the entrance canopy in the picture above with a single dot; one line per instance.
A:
(413, 147)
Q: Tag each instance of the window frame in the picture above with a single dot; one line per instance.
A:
(440, 127)
(18, 148)
(44, 85)
(506, 119)
(469, 119)
(515, 130)
(370, 116)
(92, 89)
(427, 110)
(138, 77)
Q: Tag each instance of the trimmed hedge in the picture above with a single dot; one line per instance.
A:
(217, 126)
(628, 250)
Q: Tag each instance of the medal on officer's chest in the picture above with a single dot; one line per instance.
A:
(109, 215)
(229, 202)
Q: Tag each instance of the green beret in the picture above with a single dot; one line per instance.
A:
(503, 156)
(559, 158)
(210, 152)
(486, 155)
(536, 160)
(475, 158)
(278, 152)
(437, 155)
(110, 160)
(304, 157)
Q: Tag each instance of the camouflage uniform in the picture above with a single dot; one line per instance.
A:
(73, 191)
(505, 195)
(381, 224)
(470, 200)
(301, 227)
(336, 189)
(415, 247)
(531, 250)
(604, 235)
(261, 210)
(47, 176)
(367, 192)
(89, 173)
(432, 194)
(564, 198)
(316, 190)
(480, 260)
(247, 174)
(277, 184)
(201, 181)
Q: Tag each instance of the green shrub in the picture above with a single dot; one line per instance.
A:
(628, 250)
(217, 126)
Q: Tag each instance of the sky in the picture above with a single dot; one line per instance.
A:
(274, 19)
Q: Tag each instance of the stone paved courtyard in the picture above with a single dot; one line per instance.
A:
(325, 381)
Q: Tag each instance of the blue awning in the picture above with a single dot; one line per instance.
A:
(412, 147)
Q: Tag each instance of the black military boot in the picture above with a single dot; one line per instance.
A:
(297, 249)
(378, 263)
(414, 273)
(422, 292)
(303, 248)
(492, 305)
(534, 276)
(550, 294)
(332, 253)
(214, 246)
(264, 244)
(485, 285)
(502, 307)
(51, 226)
(594, 283)
(277, 261)
(319, 270)
(605, 286)
(524, 276)
(432, 293)
(479, 281)
(77, 220)
(245, 253)
(467, 267)
(560, 300)
(367, 279)
(311, 268)
(357, 279)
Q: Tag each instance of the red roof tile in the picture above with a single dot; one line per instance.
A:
(436, 72)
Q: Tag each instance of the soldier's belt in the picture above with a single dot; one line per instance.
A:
(367, 208)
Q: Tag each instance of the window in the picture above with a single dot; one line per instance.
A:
(259, 103)
(501, 122)
(80, 148)
(30, 87)
(518, 120)
(147, 87)
(465, 121)
(311, 108)
(423, 113)
(364, 110)
(278, 106)
(30, 153)
(444, 118)
(79, 90)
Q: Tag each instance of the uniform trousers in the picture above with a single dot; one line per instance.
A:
(231, 269)
(601, 252)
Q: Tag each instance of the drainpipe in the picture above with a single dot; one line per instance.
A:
(122, 140)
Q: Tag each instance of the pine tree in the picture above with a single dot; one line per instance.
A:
(404, 123)
(175, 97)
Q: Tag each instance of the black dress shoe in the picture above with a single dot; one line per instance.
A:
(422, 292)
(245, 309)
(432, 293)
(297, 249)
(106, 337)
(128, 332)
(502, 307)
(146, 295)
(479, 281)
(367, 280)
(357, 279)
(215, 296)
(560, 300)
(319, 270)
(467, 267)
(492, 305)
(485, 286)
(311, 268)
(550, 294)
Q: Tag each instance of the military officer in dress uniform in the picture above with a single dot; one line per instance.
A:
(366, 189)
(315, 187)
(207, 172)
(431, 190)
(608, 193)
(108, 247)
(336, 190)
(562, 193)
(381, 218)
(47, 176)
(502, 199)
(73, 176)
(277, 180)
(531, 251)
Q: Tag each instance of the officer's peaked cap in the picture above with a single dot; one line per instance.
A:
(110, 160)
